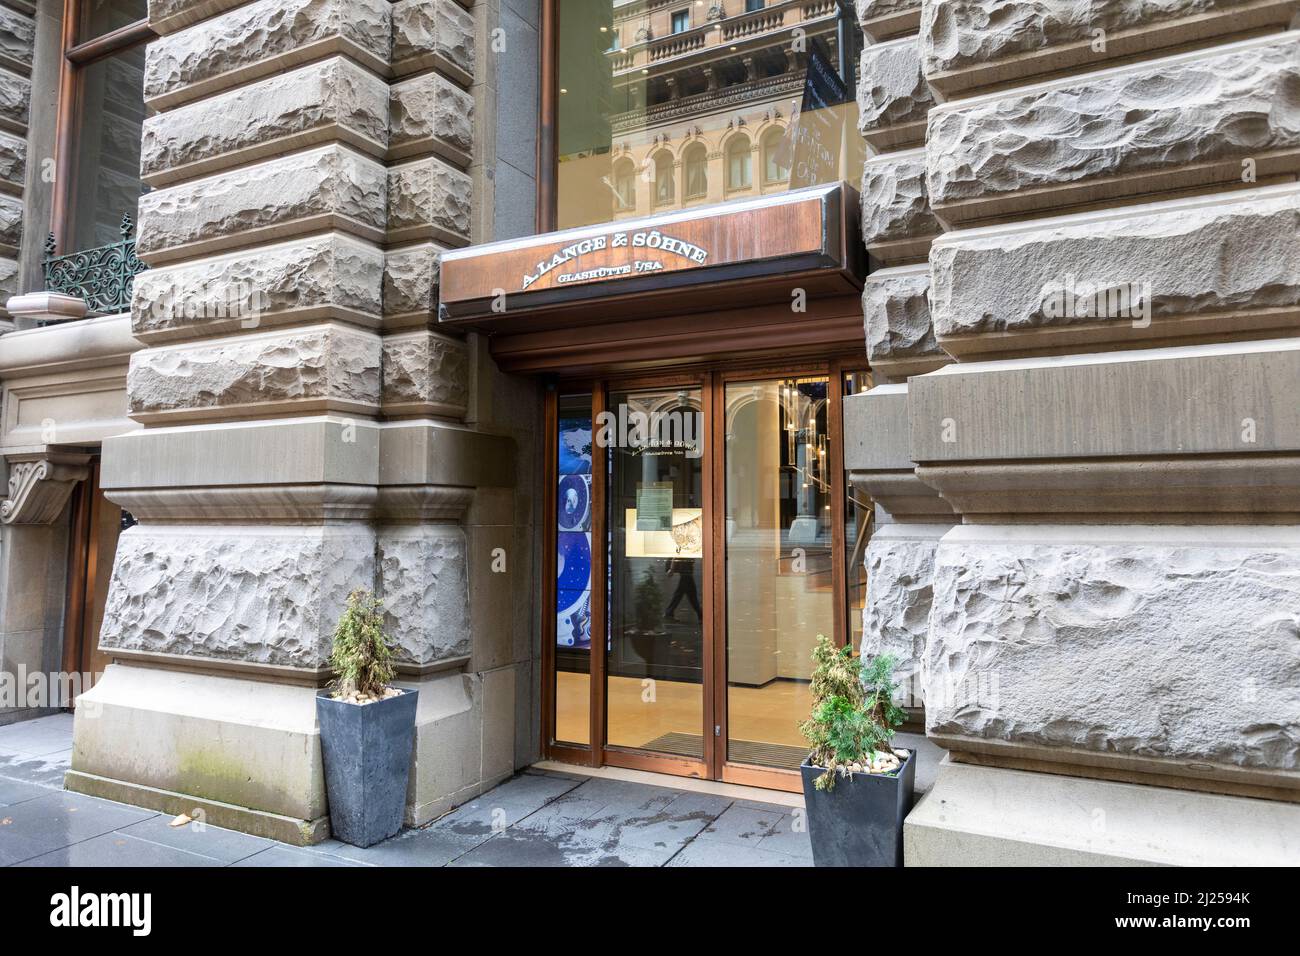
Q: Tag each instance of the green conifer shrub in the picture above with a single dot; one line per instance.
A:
(854, 714)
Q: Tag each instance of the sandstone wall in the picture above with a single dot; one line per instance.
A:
(894, 103)
(1115, 183)
(308, 428)
(17, 49)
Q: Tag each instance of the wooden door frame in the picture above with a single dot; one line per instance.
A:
(711, 379)
(82, 574)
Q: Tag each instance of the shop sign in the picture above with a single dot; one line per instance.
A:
(650, 248)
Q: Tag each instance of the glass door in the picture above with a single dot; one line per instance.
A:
(704, 537)
(780, 561)
(655, 673)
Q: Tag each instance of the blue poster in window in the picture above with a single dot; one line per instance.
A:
(573, 619)
(573, 561)
(573, 503)
(575, 446)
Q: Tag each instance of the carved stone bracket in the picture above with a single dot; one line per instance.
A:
(39, 486)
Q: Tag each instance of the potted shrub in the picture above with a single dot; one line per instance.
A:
(366, 729)
(857, 787)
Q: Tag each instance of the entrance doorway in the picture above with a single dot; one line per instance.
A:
(704, 537)
(95, 526)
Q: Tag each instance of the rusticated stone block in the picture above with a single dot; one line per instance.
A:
(425, 374)
(1157, 272)
(897, 224)
(13, 161)
(900, 582)
(15, 97)
(1172, 646)
(169, 16)
(17, 37)
(435, 34)
(327, 188)
(262, 38)
(312, 369)
(259, 595)
(893, 97)
(430, 114)
(427, 199)
(411, 284)
(11, 222)
(8, 280)
(1188, 120)
(331, 100)
(425, 588)
(896, 311)
(969, 43)
(330, 276)
(882, 19)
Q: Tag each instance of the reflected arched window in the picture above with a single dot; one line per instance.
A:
(773, 170)
(739, 175)
(665, 190)
(697, 173)
(625, 184)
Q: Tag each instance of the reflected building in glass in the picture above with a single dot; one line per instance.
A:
(664, 106)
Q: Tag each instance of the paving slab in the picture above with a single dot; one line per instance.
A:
(790, 836)
(537, 818)
(285, 856)
(224, 846)
(428, 846)
(716, 853)
(38, 826)
(743, 825)
(119, 849)
(18, 791)
(47, 771)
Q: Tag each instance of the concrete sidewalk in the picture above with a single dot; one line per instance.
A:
(537, 818)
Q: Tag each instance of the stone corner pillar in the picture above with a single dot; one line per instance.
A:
(303, 420)
(1111, 651)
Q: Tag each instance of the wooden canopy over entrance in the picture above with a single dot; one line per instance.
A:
(780, 274)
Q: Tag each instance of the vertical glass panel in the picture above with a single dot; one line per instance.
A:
(107, 185)
(780, 592)
(99, 17)
(640, 85)
(859, 518)
(656, 575)
(573, 572)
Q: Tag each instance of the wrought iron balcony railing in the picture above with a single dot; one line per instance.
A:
(102, 276)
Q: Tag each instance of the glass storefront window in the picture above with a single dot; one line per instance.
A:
(859, 522)
(655, 694)
(780, 587)
(666, 104)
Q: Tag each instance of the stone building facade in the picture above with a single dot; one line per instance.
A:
(1077, 431)
(1093, 561)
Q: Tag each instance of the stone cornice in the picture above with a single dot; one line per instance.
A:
(84, 343)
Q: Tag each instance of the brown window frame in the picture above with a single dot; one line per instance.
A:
(79, 53)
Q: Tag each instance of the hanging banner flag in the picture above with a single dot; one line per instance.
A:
(817, 132)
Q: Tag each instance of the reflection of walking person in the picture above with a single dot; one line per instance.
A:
(684, 568)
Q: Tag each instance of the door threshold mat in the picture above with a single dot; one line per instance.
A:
(739, 751)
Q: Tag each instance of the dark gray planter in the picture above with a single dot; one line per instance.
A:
(367, 754)
(860, 821)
